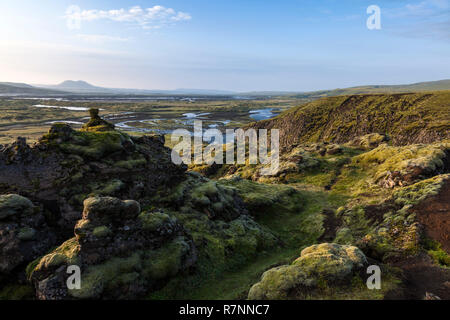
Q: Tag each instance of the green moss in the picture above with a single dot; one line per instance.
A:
(26, 233)
(152, 221)
(142, 268)
(110, 188)
(12, 204)
(166, 261)
(202, 195)
(94, 145)
(263, 199)
(101, 231)
(386, 159)
(67, 253)
(419, 191)
(31, 267)
(344, 236)
(369, 141)
(16, 292)
(131, 163)
(97, 278)
(434, 249)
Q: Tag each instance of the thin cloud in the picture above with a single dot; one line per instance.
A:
(148, 18)
(428, 19)
(100, 38)
(422, 9)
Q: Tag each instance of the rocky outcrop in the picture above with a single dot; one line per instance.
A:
(67, 166)
(433, 213)
(121, 251)
(24, 233)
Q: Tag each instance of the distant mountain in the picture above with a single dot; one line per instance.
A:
(415, 87)
(87, 88)
(83, 87)
(77, 87)
(11, 88)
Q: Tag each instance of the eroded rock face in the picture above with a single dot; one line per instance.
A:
(121, 251)
(434, 214)
(24, 233)
(67, 166)
(320, 265)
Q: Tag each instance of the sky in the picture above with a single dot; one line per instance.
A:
(238, 45)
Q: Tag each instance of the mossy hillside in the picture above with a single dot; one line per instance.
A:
(81, 149)
(373, 176)
(223, 247)
(265, 199)
(316, 164)
(368, 141)
(152, 221)
(294, 228)
(390, 233)
(224, 243)
(405, 118)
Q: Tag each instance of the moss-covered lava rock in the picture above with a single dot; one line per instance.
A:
(119, 255)
(24, 234)
(67, 166)
(322, 271)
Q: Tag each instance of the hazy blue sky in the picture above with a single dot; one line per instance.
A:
(238, 45)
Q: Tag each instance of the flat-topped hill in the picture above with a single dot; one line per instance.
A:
(405, 118)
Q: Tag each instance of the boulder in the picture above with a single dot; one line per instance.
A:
(12, 204)
(319, 266)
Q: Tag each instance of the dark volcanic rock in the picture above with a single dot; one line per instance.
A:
(24, 233)
(121, 252)
(67, 166)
